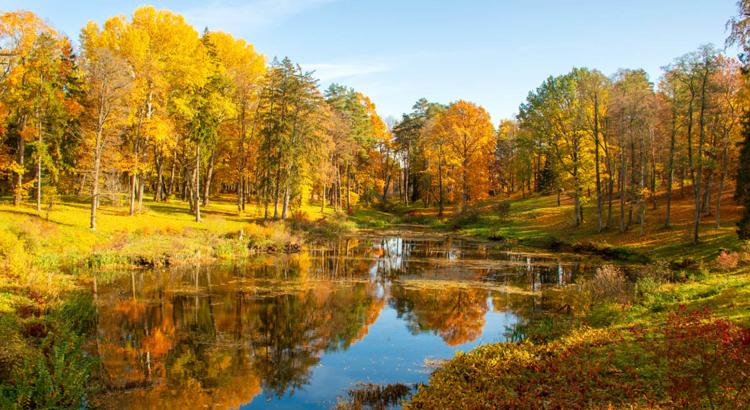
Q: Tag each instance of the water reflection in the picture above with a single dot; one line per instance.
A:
(297, 330)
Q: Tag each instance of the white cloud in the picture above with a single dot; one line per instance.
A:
(330, 72)
(231, 15)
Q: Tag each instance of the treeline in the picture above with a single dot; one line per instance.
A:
(150, 106)
(625, 139)
(608, 142)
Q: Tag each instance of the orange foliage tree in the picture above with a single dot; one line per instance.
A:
(468, 133)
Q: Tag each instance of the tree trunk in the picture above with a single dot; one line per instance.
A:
(463, 193)
(348, 187)
(39, 167)
(323, 192)
(440, 181)
(241, 160)
(706, 205)
(277, 193)
(240, 192)
(141, 185)
(338, 190)
(189, 183)
(407, 170)
(622, 178)
(634, 196)
(95, 185)
(286, 199)
(132, 193)
(159, 176)
(385, 187)
(699, 165)
(721, 183)
(611, 193)
(20, 156)
(266, 193)
(598, 175)
(170, 192)
(83, 184)
(209, 176)
(642, 194)
(653, 170)
(671, 163)
(197, 190)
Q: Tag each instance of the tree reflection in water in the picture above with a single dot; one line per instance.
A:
(220, 336)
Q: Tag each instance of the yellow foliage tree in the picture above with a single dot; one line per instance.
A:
(467, 132)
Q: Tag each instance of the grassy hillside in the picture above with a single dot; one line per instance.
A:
(607, 353)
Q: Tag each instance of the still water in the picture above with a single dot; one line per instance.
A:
(298, 331)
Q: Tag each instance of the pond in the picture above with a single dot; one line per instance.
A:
(298, 331)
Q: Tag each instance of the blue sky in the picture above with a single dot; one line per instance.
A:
(489, 52)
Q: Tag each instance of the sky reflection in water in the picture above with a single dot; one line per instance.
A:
(297, 331)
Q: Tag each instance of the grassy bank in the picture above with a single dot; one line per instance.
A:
(682, 340)
(540, 221)
(38, 250)
(45, 319)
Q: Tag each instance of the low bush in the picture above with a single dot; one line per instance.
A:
(471, 215)
(727, 261)
(502, 209)
(607, 286)
(43, 362)
(388, 206)
(12, 253)
(272, 237)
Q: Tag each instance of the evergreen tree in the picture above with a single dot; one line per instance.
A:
(742, 194)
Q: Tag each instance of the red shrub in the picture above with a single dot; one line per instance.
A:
(707, 360)
(727, 261)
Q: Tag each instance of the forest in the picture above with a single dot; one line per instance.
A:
(179, 212)
(149, 106)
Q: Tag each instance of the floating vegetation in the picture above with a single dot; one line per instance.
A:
(375, 396)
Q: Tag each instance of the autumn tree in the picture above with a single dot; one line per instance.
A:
(740, 36)
(410, 140)
(726, 118)
(108, 83)
(696, 71)
(555, 114)
(594, 88)
(33, 92)
(359, 139)
(468, 133)
(245, 68)
(290, 101)
(633, 108)
(386, 154)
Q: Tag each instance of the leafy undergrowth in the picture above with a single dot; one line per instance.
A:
(42, 364)
(693, 360)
